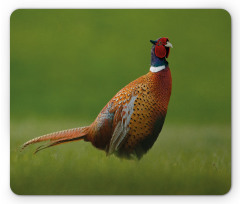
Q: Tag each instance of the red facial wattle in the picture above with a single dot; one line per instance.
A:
(160, 50)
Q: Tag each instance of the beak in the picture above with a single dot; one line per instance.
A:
(168, 45)
(153, 41)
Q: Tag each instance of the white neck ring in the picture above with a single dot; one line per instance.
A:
(157, 69)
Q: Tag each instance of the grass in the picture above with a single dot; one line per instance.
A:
(67, 64)
(186, 159)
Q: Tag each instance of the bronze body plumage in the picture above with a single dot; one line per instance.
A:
(131, 121)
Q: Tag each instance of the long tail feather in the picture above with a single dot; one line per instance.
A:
(60, 137)
(51, 144)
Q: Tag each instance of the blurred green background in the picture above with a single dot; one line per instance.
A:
(67, 64)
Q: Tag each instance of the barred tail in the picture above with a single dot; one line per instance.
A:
(60, 137)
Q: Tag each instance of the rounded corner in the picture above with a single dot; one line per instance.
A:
(228, 191)
(14, 192)
(226, 12)
(14, 12)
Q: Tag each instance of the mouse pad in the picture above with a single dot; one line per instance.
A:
(128, 102)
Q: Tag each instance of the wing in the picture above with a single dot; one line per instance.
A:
(111, 127)
(121, 121)
(112, 124)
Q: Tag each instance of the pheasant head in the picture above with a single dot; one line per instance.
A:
(160, 51)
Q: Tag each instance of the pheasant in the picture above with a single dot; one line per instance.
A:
(130, 123)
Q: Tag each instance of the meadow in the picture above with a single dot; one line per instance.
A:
(65, 65)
